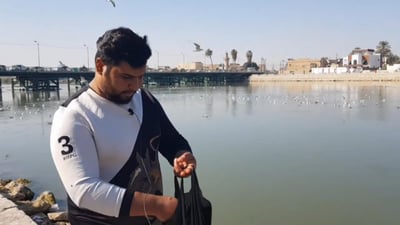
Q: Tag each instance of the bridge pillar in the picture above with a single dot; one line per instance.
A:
(1, 96)
(68, 86)
(12, 85)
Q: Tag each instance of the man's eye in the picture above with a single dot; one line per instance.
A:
(126, 77)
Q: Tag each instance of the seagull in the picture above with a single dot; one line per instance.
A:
(112, 2)
(198, 49)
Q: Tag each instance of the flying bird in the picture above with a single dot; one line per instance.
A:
(198, 49)
(112, 2)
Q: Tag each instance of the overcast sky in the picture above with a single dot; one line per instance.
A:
(274, 30)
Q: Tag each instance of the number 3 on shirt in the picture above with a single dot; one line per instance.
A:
(64, 141)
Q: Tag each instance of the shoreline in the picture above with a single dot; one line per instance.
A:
(20, 205)
(345, 77)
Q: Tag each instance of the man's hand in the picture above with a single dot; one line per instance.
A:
(184, 165)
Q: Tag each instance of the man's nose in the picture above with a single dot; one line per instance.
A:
(135, 83)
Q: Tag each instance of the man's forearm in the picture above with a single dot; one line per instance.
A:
(161, 207)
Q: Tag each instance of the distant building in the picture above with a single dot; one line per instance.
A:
(250, 66)
(362, 58)
(300, 66)
(327, 70)
(209, 67)
(263, 68)
(393, 68)
(164, 68)
(194, 66)
(235, 67)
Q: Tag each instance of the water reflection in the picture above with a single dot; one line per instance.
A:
(1, 97)
(350, 98)
(23, 97)
(380, 98)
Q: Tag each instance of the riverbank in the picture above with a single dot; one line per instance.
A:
(345, 77)
(18, 206)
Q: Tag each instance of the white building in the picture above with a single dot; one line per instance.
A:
(364, 58)
(393, 68)
(328, 70)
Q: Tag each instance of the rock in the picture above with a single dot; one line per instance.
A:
(10, 214)
(62, 223)
(48, 197)
(21, 198)
(41, 204)
(23, 181)
(3, 189)
(58, 216)
(18, 191)
(41, 219)
(32, 207)
(4, 182)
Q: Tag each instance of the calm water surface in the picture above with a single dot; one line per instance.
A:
(274, 154)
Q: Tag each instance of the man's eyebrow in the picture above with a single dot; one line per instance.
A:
(132, 75)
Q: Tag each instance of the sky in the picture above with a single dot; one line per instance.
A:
(66, 30)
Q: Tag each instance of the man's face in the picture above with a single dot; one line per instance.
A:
(121, 82)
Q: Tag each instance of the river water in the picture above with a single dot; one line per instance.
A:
(274, 153)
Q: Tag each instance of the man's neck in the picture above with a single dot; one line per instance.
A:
(93, 85)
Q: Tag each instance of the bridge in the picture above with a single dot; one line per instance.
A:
(50, 80)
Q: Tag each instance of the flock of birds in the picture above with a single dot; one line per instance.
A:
(45, 110)
(299, 100)
(25, 113)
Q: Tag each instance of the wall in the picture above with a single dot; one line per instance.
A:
(301, 66)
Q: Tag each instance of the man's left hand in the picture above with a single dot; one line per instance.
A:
(184, 165)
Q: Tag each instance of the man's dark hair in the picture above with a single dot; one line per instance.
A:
(122, 44)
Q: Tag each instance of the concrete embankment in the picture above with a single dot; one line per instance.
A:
(11, 215)
(345, 77)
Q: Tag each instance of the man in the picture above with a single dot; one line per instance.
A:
(105, 141)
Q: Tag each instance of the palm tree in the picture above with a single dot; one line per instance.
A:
(324, 62)
(209, 54)
(393, 59)
(249, 55)
(234, 55)
(249, 64)
(383, 48)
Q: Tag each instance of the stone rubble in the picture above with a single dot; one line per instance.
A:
(18, 206)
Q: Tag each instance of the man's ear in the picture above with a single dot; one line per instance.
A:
(99, 65)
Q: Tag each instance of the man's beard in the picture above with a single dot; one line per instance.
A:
(116, 98)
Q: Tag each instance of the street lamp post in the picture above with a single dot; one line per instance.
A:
(87, 54)
(183, 58)
(158, 59)
(282, 66)
(38, 52)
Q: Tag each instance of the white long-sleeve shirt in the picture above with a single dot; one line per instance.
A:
(91, 139)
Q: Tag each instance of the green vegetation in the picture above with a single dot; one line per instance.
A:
(208, 53)
(384, 49)
(234, 55)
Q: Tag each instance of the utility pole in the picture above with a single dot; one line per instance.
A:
(38, 52)
(87, 54)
